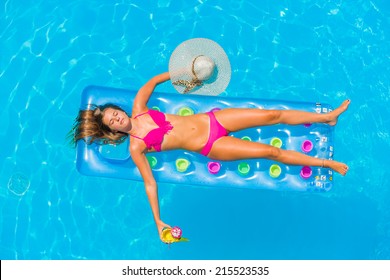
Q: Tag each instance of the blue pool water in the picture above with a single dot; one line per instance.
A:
(320, 50)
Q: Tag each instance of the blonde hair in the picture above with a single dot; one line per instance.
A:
(89, 127)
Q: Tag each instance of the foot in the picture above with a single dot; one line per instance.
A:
(337, 112)
(339, 167)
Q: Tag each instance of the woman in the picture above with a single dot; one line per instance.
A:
(203, 133)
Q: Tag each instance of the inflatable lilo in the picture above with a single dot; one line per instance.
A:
(183, 167)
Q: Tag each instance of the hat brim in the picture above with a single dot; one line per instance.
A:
(180, 65)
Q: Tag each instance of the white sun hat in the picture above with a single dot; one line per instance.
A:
(199, 66)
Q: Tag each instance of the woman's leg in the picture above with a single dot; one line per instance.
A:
(230, 148)
(237, 119)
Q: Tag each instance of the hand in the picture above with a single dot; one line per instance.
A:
(160, 225)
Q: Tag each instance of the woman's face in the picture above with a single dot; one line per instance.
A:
(116, 120)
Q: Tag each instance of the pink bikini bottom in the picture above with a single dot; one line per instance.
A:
(216, 132)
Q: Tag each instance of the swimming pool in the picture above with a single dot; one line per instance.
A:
(295, 50)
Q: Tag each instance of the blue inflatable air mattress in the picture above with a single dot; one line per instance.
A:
(183, 167)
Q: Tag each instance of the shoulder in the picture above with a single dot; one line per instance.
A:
(138, 110)
(137, 154)
(137, 147)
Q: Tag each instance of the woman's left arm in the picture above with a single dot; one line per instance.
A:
(143, 95)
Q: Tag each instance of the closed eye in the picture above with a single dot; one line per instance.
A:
(114, 114)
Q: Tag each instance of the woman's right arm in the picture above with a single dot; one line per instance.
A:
(151, 189)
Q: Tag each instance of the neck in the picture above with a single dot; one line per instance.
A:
(131, 127)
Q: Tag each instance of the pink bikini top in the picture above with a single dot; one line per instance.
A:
(155, 137)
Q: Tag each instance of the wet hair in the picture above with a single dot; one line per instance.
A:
(89, 127)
